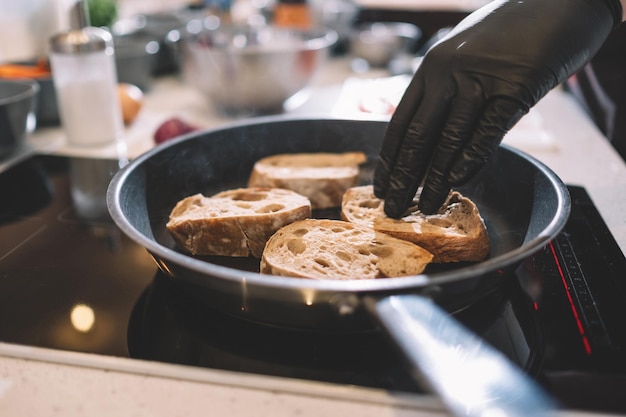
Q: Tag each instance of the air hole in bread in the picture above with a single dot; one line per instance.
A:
(300, 232)
(296, 246)
(322, 262)
(248, 196)
(271, 208)
(244, 206)
(372, 204)
(344, 256)
(444, 223)
(338, 230)
(363, 251)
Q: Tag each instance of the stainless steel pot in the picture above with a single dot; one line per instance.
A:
(252, 70)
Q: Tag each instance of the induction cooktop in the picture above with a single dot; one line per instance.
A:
(71, 281)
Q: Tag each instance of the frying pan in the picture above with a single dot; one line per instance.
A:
(523, 202)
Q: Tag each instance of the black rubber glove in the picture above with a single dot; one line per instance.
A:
(475, 84)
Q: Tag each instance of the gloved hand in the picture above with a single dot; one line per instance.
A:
(475, 84)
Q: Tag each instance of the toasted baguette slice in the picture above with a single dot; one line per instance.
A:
(456, 233)
(235, 222)
(322, 177)
(339, 250)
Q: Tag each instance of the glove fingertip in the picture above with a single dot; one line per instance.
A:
(379, 192)
(392, 209)
(431, 202)
(426, 207)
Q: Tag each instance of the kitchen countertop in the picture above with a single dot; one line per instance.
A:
(37, 381)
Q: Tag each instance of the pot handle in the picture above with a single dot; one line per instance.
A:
(469, 376)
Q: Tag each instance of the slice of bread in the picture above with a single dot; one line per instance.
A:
(322, 177)
(455, 233)
(235, 222)
(339, 250)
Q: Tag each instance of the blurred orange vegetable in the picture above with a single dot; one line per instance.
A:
(131, 101)
(39, 70)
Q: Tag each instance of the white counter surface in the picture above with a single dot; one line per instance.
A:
(43, 382)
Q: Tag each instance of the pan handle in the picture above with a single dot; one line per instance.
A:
(469, 376)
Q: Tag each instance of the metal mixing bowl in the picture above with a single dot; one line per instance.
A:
(135, 58)
(380, 42)
(46, 108)
(338, 15)
(17, 112)
(252, 70)
(154, 27)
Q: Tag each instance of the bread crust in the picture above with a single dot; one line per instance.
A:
(456, 233)
(234, 222)
(340, 250)
(322, 177)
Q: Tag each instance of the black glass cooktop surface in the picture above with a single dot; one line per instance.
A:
(70, 280)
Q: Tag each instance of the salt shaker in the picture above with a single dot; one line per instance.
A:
(85, 79)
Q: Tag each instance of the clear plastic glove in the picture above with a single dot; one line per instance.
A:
(475, 84)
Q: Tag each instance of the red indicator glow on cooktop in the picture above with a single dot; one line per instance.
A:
(570, 299)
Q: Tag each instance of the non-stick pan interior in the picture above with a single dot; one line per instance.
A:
(510, 192)
(523, 203)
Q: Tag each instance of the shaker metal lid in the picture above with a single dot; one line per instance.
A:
(85, 40)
